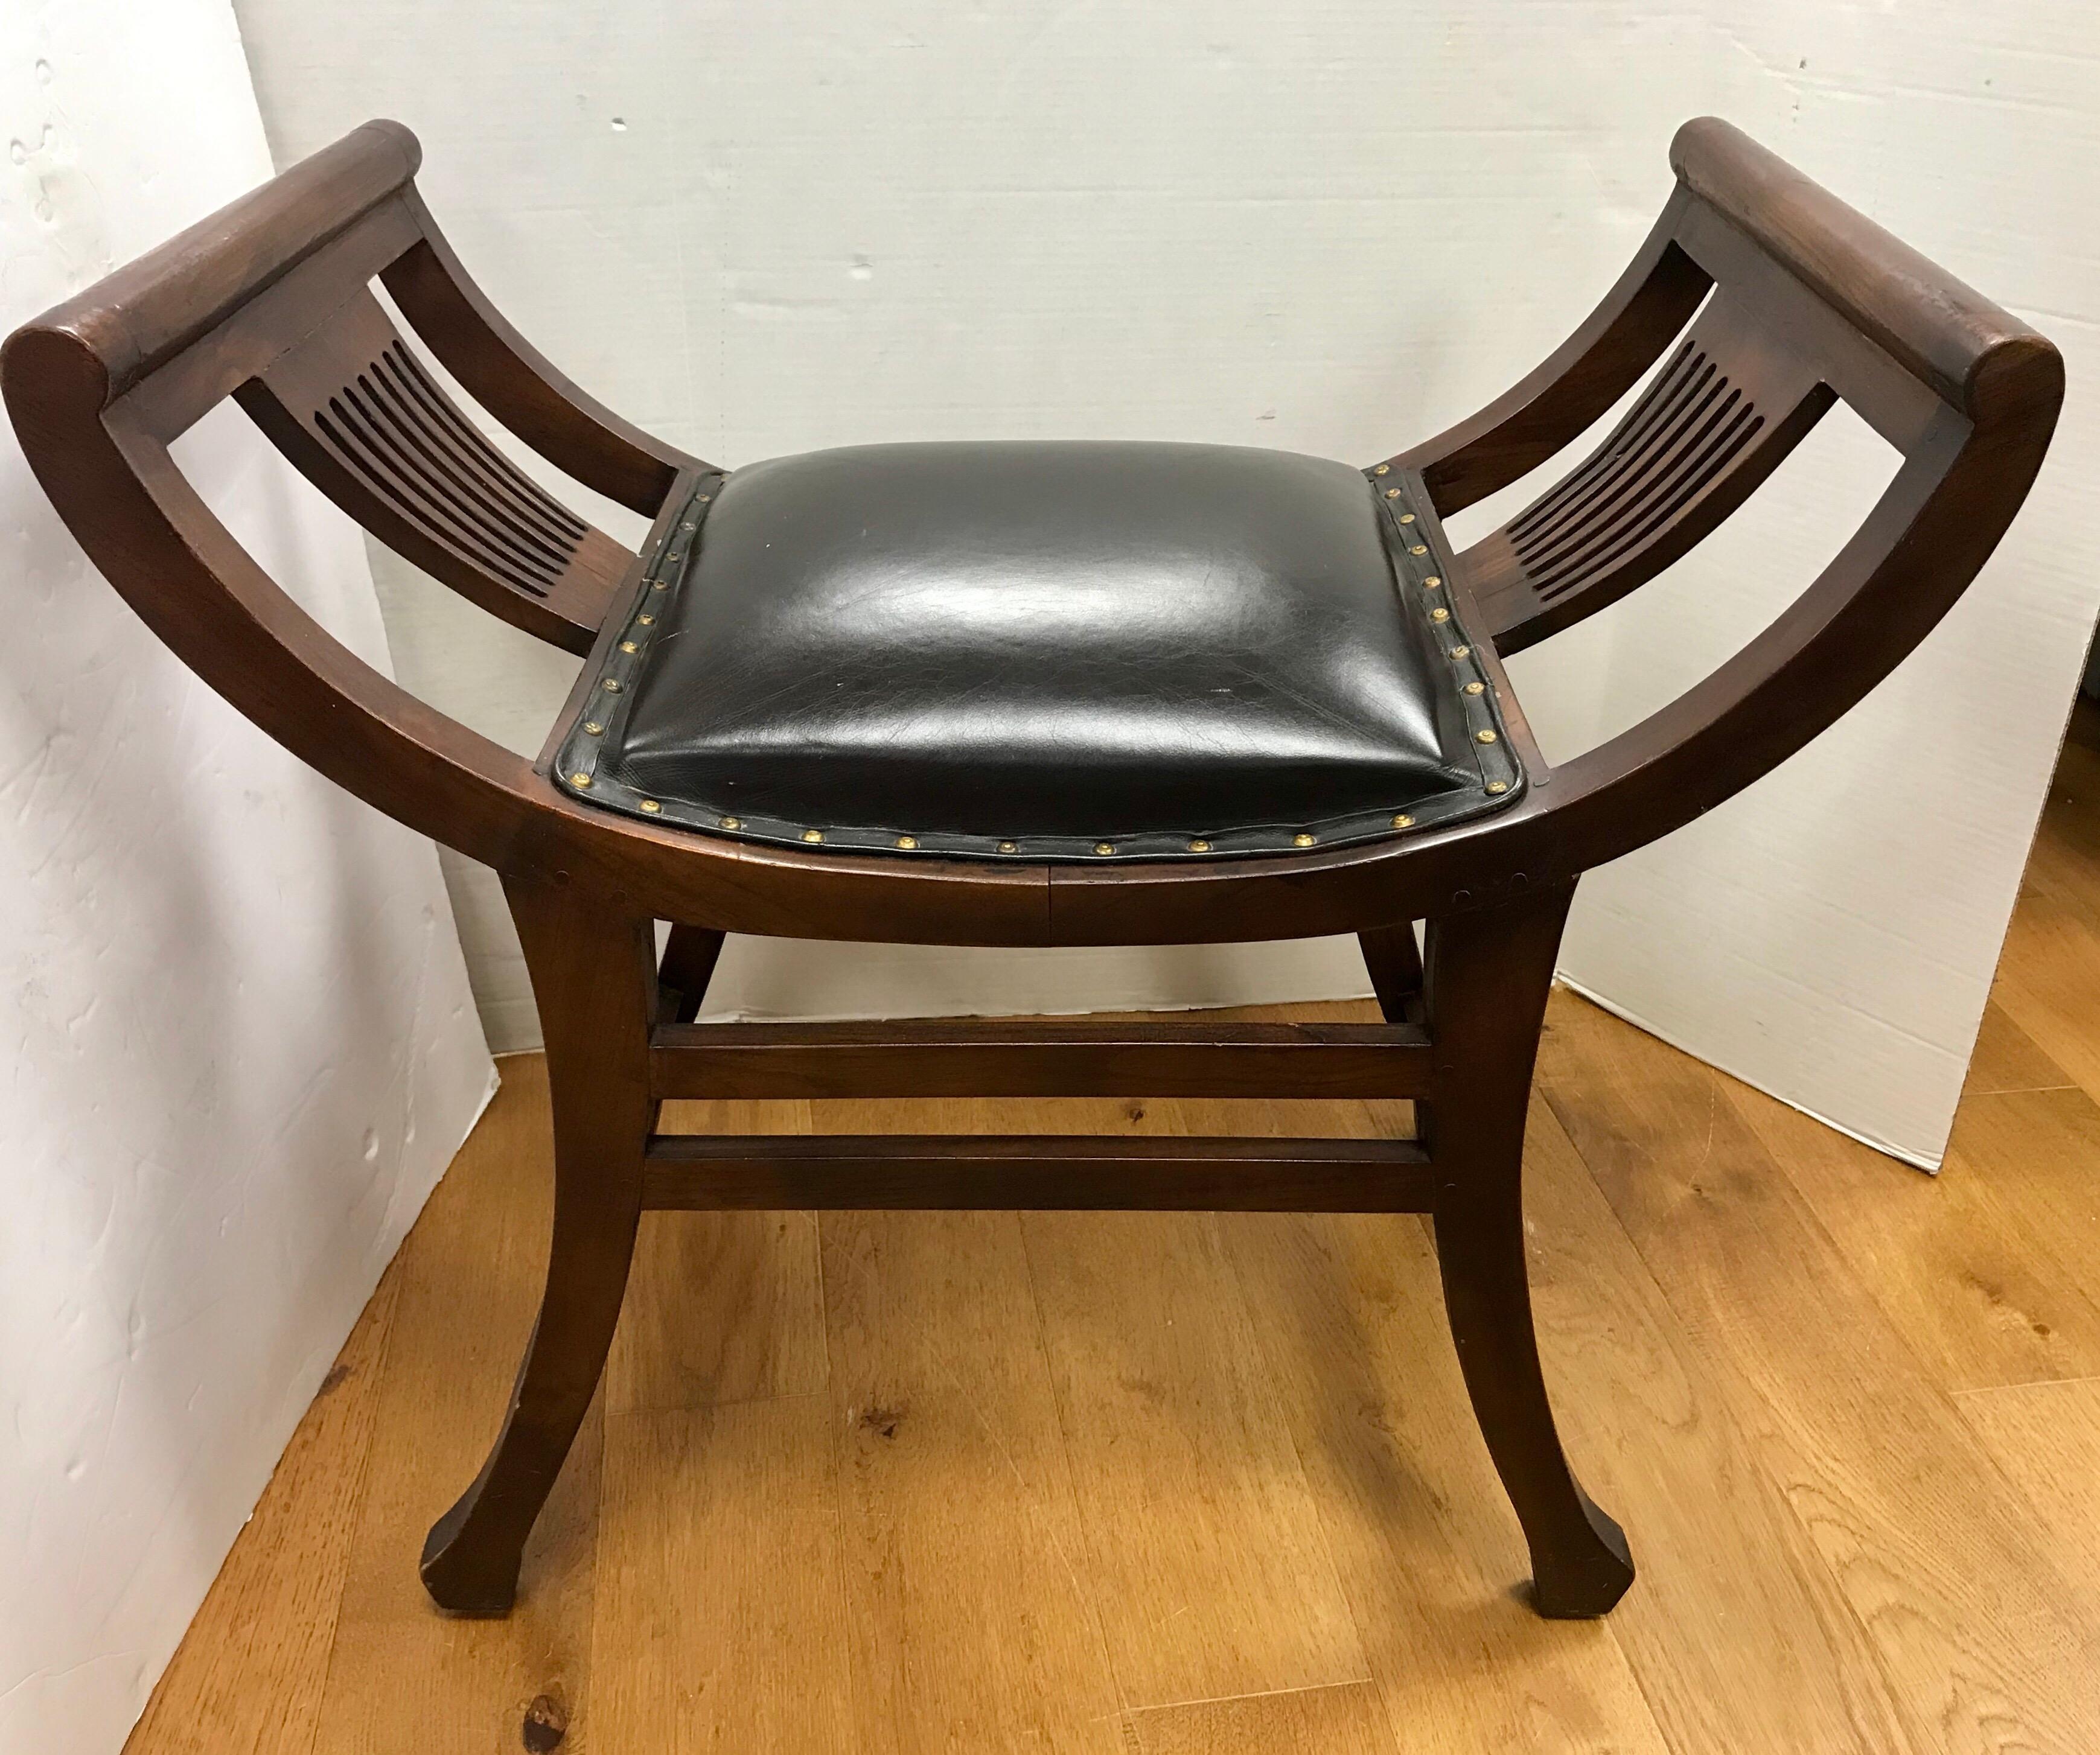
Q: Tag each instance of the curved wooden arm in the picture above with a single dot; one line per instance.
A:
(269, 301)
(516, 383)
(141, 316)
(1573, 385)
(1927, 537)
(1812, 299)
(112, 480)
(1804, 301)
(1936, 328)
(1942, 331)
(118, 488)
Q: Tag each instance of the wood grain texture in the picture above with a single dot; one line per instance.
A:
(968, 1057)
(1345, 1720)
(1749, 1629)
(1737, 1629)
(593, 970)
(2007, 1058)
(1841, 1548)
(252, 1666)
(720, 1306)
(1352, 1324)
(719, 1607)
(1210, 1574)
(98, 386)
(2048, 974)
(1969, 1266)
(1929, 1543)
(1212, 1581)
(401, 1674)
(2046, 1437)
(974, 1622)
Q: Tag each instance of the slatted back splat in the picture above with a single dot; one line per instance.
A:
(397, 429)
(1717, 418)
(370, 424)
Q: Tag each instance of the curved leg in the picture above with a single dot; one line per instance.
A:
(594, 977)
(1487, 977)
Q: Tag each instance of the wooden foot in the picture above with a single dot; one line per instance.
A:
(1580, 1566)
(1487, 977)
(594, 977)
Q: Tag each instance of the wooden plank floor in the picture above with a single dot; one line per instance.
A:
(1164, 1485)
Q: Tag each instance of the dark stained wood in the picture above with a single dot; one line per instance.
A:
(368, 424)
(1793, 300)
(1489, 973)
(1948, 333)
(1394, 962)
(1051, 1059)
(690, 956)
(1574, 386)
(1034, 1172)
(593, 975)
(517, 384)
(139, 318)
(1711, 425)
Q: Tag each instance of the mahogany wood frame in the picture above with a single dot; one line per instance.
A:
(1786, 300)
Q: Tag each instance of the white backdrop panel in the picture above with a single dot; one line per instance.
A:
(240, 1043)
(763, 229)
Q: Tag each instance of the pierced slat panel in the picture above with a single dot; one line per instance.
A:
(472, 508)
(1720, 415)
(364, 418)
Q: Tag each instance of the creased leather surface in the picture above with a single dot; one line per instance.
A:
(1039, 643)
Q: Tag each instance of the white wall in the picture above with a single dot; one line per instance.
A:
(239, 1043)
(763, 229)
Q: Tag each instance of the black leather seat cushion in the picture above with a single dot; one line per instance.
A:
(1042, 651)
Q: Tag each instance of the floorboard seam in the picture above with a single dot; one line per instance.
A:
(2000, 1389)
(1258, 1694)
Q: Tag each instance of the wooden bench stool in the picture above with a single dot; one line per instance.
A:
(1020, 695)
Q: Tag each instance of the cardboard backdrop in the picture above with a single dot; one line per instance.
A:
(767, 229)
(240, 1045)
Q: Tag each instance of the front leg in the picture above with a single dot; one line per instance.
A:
(594, 975)
(1489, 974)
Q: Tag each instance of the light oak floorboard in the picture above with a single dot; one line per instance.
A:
(402, 1675)
(1343, 1720)
(721, 1623)
(720, 1306)
(2046, 1437)
(973, 1622)
(1165, 1484)
(2048, 975)
(1351, 1320)
(2039, 1151)
(2007, 1058)
(1736, 1626)
(1968, 1264)
(1982, 1640)
(1214, 1577)
(249, 1677)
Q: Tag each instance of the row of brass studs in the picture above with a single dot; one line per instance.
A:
(582, 778)
(909, 843)
(1104, 850)
(1440, 613)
